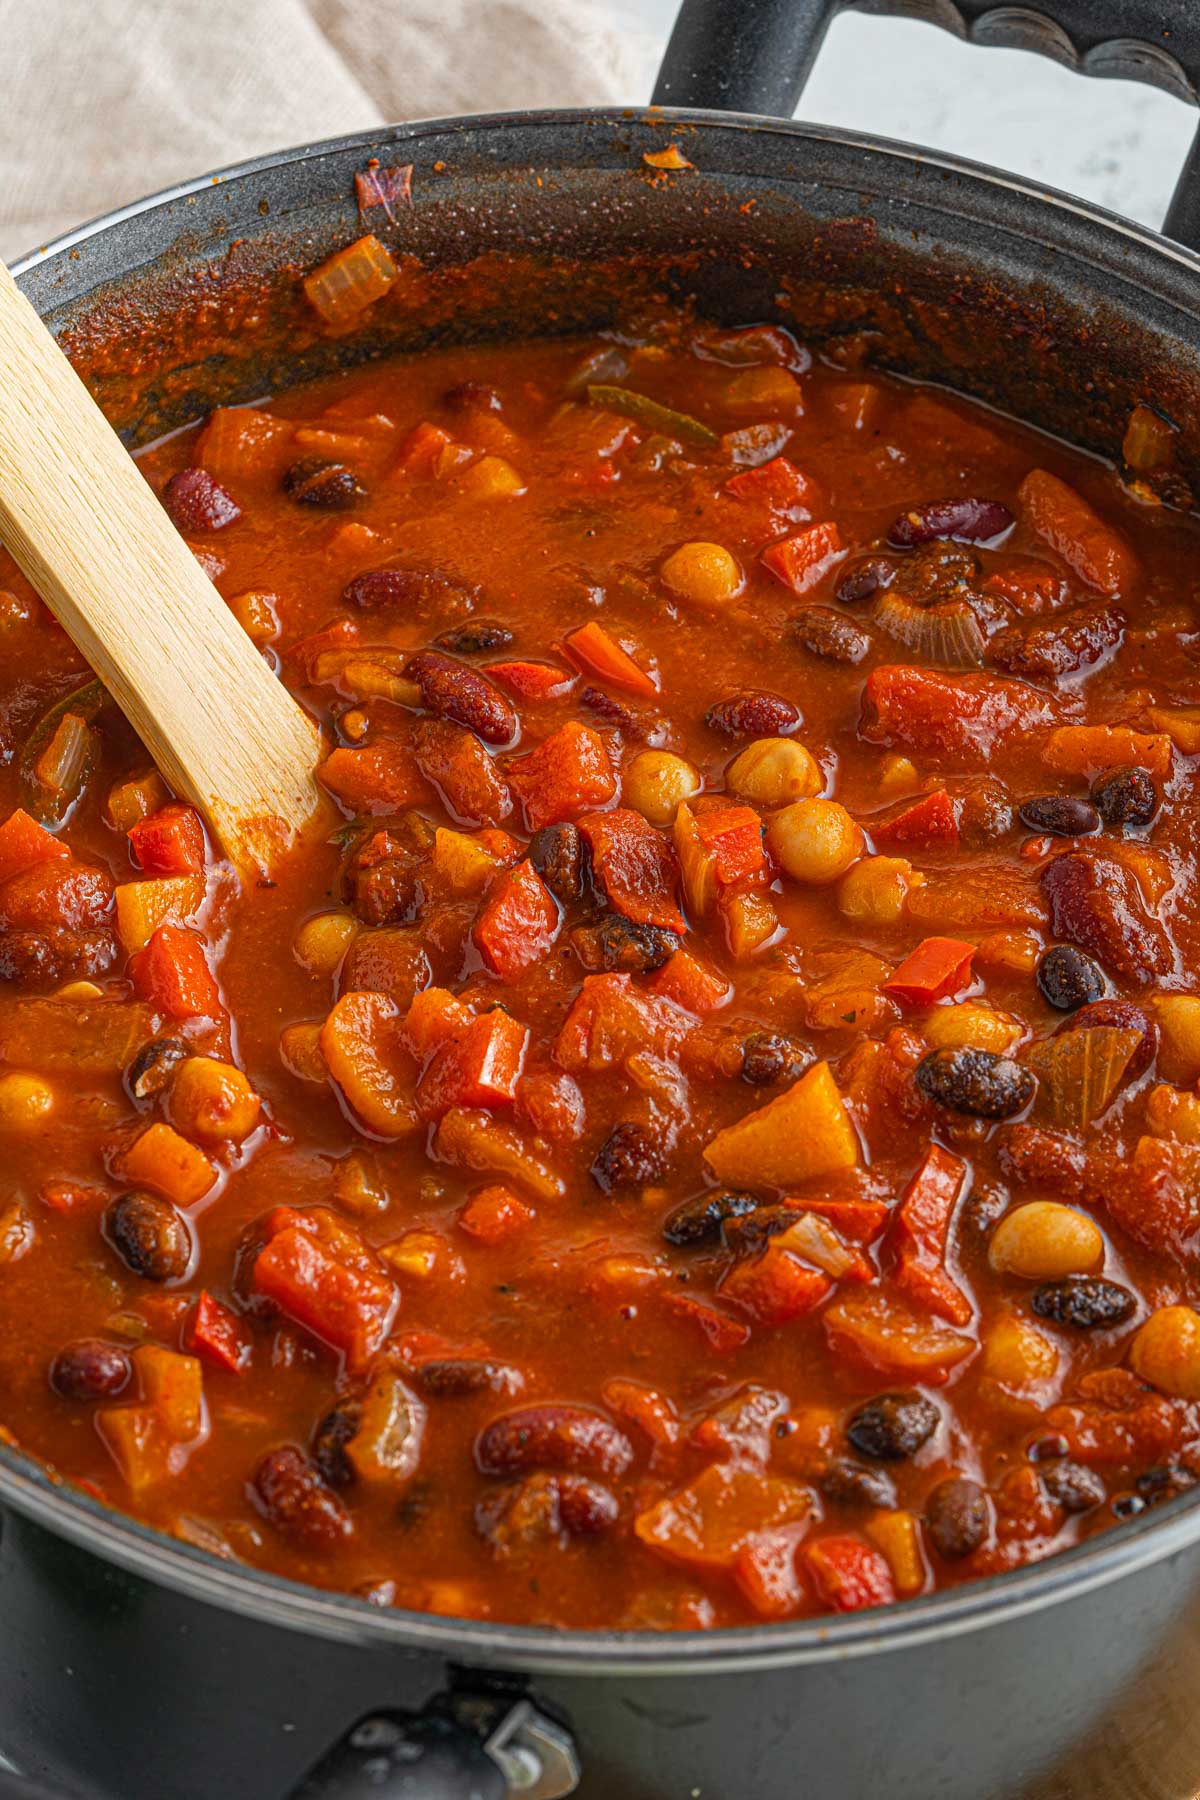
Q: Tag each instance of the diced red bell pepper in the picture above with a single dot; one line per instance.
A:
(172, 975)
(481, 1067)
(378, 778)
(422, 447)
(924, 824)
(1029, 586)
(348, 1307)
(534, 680)
(778, 485)
(722, 1334)
(774, 1287)
(733, 834)
(23, 842)
(859, 1221)
(848, 1574)
(519, 922)
(599, 654)
(636, 867)
(967, 717)
(218, 1335)
(937, 968)
(610, 1019)
(921, 1230)
(436, 1017)
(801, 561)
(687, 982)
(1085, 542)
(495, 1214)
(169, 841)
(563, 777)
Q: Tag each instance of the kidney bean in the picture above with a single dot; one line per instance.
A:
(957, 1517)
(450, 1377)
(1067, 978)
(985, 812)
(1119, 1015)
(1084, 1302)
(477, 635)
(851, 1485)
(1046, 652)
(151, 1237)
(196, 502)
(977, 1082)
(541, 1509)
(553, 1436)
(454, 691)
(472, 396)
(1125, 797)
(557, 853)
(863, 581)
(824, 632)
(292, 1497)
(1159, 1484)
(153, 1067)
(57, 954)
(1076, 1488)
(629, 1157)
(1060, 814)
(614, 942)
(962, 521)
(328, 486)
(893, 1427)
(699, 1221)
(769, 1056)
(417, 593)
(90, 1369)
(753, 713)
(615, 713)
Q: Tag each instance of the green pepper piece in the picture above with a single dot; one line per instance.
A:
(648, 412)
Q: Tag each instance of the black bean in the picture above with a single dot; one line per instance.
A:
(1125, 797)
(329, 486)
(1127, 1506)
(963, 521)
(329, 1444)
(863, 581)
(149, 1235)
(957, 1517)
(1076, 1488)
(824, 632)
(196, 502)
(1067, 978)
(614, 942)
(1085, 1302)
(468, 640)
(768, 1056)
(893, 1426)
(629, 1157)
(1061, 814)
(852, 1485)
(154, 1066)
(699, 1220)
(556, 852)
(977, 1082)
(753, 713)
(90, 1369)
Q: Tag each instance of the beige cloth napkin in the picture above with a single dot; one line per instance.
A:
(105, 100)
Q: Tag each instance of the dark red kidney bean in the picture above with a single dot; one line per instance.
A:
(59, 954)
(615, 943)
(824, 632)
(699, 1220)
(452, 1377)
(768, 1056)
(1125, 797)
(292, 1497)
(754, 713)
(863, 581)
(1121, 1015)
(328, 486)
(1085, 1302)
(196, 502)
(614, 712)
(585, 1507)
(452, 690)
(1068, 979)
(892, 1427)
(977, 1082)
(552, 1437)
(1096, 904)
(850, 1484)
(151, 1237)
(957, 1517)
(525, 1516)
(1046, 652)
(472, 396)
(963, 521)
(629, 1157)
(90, 1369)
(1060, 814)
(416, 592)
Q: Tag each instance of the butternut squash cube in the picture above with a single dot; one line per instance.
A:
(803, 1133)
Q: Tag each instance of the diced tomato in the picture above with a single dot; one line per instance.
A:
(519, 922)
(732, 835)
(860, 1221)
(170, 841)
(636, 867)
(350, 1308)
(23, 842)
(216, 1333)
(495, 1214)
(422, 447)
(172, 975)
(778, 485)
(923, 824)
(563, 777)
(599, 654)
(774, 1287)
(936, 969)
(534, 680)
(1029, 586)
(379, 778)
(707, 1523)
(305, 652)
(969, 717)
(687, 982)
(610, 1020)
(848, 1574)
(765, 1571)
(722, 1334)
(479, 1068)
(921, 1229)
(801, 561)
(1086, 544)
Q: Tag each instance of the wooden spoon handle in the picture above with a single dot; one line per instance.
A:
(91, 537)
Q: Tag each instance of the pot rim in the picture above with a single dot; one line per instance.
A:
(45, 1498)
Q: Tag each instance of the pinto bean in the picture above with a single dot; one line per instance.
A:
(893, 1427)
(754, 713)
(151, 1237)
(454, 691)
(418, 593)
(768, 1056)
(328, 486)
(555, 1437)
(471, 639)
(615, 942)
(614, 712)
(154, 1066)
(197, 502)
(57, 954)
(825, 632)
(629, 1157)
(957, 1517)
(291, 1495)
(90, 1369)
(451, 1377)
(850, 1484)
(699, 1221)
(1076, 1489)
(965, 521)
(977, 1082)
(329, 1444)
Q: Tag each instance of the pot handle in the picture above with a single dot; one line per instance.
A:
(756, 55)
(467, 1744)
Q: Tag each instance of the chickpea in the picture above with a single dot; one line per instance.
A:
(875, 889)
(25, 1101)
(897, 773)
(322, 941)
(1166, 1352)
(1044, 1240)
(1178, 1016)
(971, 1025)
(775, 771)
(1017, 1355)
(814, 840)
(656, 784)
(705, 573)
(213, 1101)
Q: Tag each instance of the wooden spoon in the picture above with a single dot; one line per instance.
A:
(88, 532)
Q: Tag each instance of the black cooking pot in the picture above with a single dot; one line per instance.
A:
(137, 1668)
